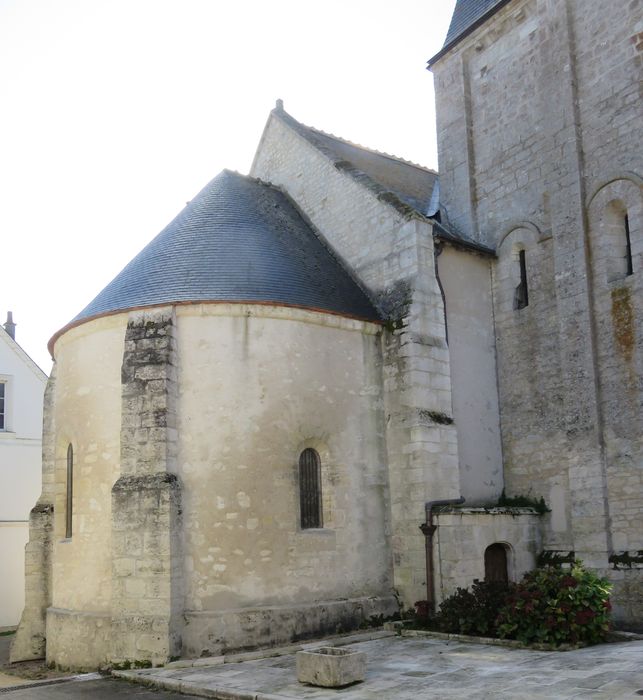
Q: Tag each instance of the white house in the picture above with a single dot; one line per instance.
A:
(22, 385)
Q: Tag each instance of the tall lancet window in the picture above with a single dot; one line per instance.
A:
(70, 491)
(521, 298)
(310, 496)
(629, 267)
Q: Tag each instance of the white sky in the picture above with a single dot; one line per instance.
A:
(114, 113)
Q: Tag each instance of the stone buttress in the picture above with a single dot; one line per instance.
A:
(146, 499)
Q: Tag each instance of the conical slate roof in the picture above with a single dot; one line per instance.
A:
(238, 240)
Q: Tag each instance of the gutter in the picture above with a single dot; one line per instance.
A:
(443, 234)
(428, 529)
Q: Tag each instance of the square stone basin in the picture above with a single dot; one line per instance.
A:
(330, 667)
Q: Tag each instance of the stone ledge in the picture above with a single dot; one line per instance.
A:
(486, 510)
(398, 628)
(217, 633)
(335, 641)
(191, 688)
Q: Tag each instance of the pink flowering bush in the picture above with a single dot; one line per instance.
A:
(557, 606)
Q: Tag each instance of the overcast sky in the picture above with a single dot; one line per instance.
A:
(114, 113)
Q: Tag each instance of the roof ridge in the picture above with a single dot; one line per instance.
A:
(391, 156)
(384, 154)
(381, 192)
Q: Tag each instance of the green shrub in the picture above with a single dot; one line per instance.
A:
(473, 612)
(557, 606)
(538, 504)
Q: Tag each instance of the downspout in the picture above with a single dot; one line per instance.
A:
(428, 528)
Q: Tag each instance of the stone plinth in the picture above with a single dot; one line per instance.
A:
(330, 667)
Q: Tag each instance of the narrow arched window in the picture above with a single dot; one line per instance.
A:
(521, 298)
(310, 496)
(70, 490)
(615, 250)
(629, 267)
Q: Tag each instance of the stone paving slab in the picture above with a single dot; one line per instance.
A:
(406, 668)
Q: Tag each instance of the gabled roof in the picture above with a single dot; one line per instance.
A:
(16, 348)
(238, 240)
(411, 189)
(467, 16)
(411, 185)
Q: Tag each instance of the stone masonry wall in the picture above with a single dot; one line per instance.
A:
(538, 109)
(258, 384)
(146, 499)
(392, 255)
(616, 299)
(464, 534)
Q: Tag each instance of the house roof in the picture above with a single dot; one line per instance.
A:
(467, 16)
(16, 348)
(238, 240)
(410, 188)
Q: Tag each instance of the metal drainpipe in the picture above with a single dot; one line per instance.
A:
(428, 528)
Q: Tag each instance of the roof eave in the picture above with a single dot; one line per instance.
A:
(446, 236)
(470, 29)
(194, 302)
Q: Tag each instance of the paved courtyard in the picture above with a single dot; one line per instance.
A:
(405, 668)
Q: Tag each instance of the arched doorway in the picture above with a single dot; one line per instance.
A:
(495, 563)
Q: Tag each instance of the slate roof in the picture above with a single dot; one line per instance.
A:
(413, 185)
(412, 189)
(238, 240)
(467, 16)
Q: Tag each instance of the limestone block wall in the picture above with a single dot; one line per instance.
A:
(257, 386)
(392, 255)
(147, 525)
(532, 409)
(464, 534)
(538, 110)
(466, 281)
(87, 416)
(186, 426)
(86, 408)
(616, 297)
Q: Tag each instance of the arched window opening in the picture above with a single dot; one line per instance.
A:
(495, 563)
(70, 490)
(521, 298)
(617, 241)
(310, 489)
(629, 268)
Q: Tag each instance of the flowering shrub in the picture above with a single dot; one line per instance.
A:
(556, 606)
(549, 606)
(473, 612)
